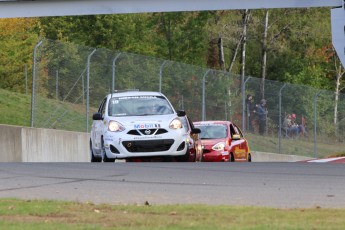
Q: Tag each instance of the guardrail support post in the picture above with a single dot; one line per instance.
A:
(113, 75)
(160, 75)
(88, 90)
(203, 115)
(280, 118)
(34, 84)
(244, 101)
(315, 97)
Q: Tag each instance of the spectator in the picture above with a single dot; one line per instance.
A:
(290, 126)
(262, 116)
(294, 129)
(250, 112)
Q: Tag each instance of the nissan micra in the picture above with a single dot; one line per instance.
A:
(136, 124)
(223, 141)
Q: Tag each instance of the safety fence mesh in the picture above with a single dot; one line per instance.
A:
(64, 71)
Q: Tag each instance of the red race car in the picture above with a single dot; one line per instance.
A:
(222, 141)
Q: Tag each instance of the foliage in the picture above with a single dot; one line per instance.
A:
(297, 48)
(299, 52)
(18, 36)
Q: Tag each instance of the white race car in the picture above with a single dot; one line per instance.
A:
(136, 124)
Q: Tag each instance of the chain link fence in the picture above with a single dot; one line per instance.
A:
(63, 73)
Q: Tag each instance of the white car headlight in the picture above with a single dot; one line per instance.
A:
(176, 124)
(115, 127)
(219, 146)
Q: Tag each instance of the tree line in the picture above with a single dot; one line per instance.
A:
(288, 45)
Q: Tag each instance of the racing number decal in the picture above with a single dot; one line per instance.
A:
(240, 152)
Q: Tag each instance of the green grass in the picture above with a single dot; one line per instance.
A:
(33, 214)
(301, 147)
(15, 109)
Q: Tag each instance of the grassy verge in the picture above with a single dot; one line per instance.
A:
(301, 147)
(15, 109)
(32, 214)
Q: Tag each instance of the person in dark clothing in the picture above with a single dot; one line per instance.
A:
(261, 111)
(250, 112)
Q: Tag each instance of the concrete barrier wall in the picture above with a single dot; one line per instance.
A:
(10, 144)
(24, 144)
(274, 157)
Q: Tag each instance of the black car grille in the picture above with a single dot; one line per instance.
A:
(139, 132)
(148, 145)
(206, 151)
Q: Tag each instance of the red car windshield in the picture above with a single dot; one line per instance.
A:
(212, 131)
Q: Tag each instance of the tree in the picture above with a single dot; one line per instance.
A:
(225, 36)
(181, 36)
(117, 32)
(18, 36)
(339, 73)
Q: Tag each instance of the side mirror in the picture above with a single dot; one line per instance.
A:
(97, 117)
(196, 130)
(236, 137)
(181, 113)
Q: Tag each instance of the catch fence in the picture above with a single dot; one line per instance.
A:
(69, 82)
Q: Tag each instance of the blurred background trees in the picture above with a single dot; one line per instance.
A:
(289, 45)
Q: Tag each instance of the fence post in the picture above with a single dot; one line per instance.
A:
(88, 90)
(244, 100)
(280, 118)
(26, 79)
(203, 115)
(160, 75)
(57, 85)
(113, 76)
(34, 84)
(315, 97)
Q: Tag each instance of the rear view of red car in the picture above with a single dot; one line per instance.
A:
(222, 141)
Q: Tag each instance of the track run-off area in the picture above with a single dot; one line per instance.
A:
(271, 184)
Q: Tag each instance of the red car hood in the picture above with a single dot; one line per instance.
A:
(212, 141)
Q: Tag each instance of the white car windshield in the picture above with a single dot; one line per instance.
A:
(138, 106)
(212, 131)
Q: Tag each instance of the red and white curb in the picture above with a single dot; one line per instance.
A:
(329, 160)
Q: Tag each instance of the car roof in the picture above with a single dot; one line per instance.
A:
(135, 93)
(212, 122)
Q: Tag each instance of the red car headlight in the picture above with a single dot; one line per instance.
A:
(219, 146)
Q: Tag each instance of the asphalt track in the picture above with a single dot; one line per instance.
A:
(280, 185)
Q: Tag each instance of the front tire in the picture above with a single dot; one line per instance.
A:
(92, 156)
(231, 158)
(183, 158)
(249, 157)
(104, 154)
